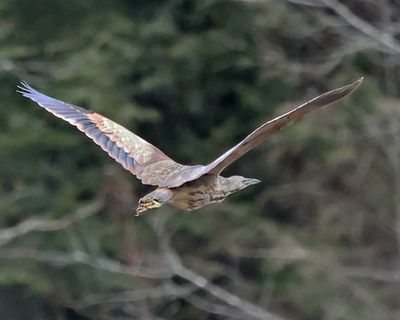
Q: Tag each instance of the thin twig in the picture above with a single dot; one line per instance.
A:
(363, 26)
(40, 225)
(61, 259)
(161, 291)
(373, 274)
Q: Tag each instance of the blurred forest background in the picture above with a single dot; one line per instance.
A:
(318, 239)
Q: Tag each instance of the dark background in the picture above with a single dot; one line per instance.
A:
(317, 239)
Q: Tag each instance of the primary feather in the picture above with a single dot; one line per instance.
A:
(136, 155)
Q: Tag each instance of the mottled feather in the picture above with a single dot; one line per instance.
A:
(135, 154)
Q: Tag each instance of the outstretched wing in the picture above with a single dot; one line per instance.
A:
(272, 126)
(141, 158)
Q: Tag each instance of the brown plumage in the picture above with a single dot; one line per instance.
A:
(185, 187)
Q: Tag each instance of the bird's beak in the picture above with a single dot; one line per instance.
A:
(250, 182)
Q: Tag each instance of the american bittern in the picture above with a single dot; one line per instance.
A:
(185, 187)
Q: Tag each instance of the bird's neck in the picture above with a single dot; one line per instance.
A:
(225, 187)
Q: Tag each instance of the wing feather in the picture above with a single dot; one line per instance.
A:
(272, 126)
(132, 152)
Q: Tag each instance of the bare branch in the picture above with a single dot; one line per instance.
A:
(61, 259)
(308, 3)
(175, 263)
(165, 290)
(373, 274)
(363, 26)
(38, 225)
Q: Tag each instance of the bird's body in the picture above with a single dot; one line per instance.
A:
(198, 193)
(185, 187)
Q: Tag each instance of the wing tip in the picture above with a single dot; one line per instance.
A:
(356, 83)
(337, 94)
(41, 99)
(26, 90)
(352, 86)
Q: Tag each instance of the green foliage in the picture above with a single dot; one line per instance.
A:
(194, 77)
(32, 277)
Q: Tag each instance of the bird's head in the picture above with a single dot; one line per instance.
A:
(154, 200)
(236, 183)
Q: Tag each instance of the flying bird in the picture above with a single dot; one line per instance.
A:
(183, 186)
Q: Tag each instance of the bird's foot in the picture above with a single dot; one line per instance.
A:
(146, 204)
